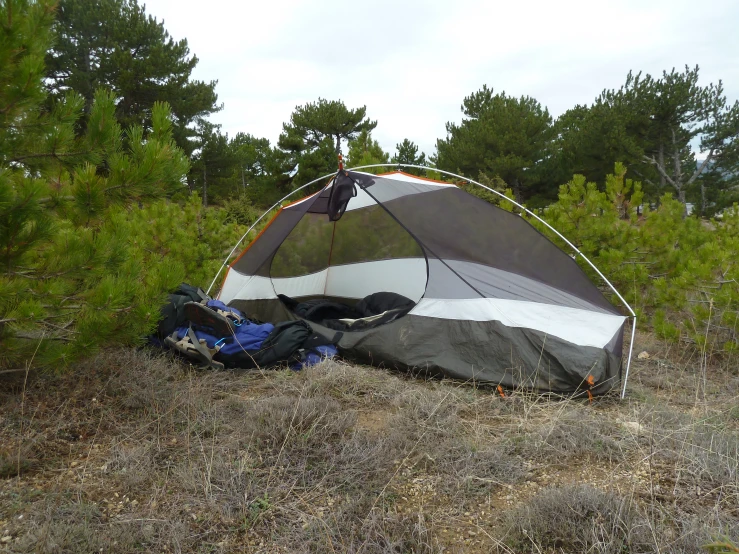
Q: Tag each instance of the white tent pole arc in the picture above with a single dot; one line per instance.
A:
(560, 235)
(280, 201)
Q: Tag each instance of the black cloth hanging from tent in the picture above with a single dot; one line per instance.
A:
(343, 190)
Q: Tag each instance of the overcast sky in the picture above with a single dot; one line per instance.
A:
(412, 63)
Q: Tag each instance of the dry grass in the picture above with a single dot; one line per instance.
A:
(134, 452)
(579, 518)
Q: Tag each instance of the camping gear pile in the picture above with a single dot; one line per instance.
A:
(421, 275)
(217, 336)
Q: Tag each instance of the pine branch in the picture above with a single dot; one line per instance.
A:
(115, 187)
(56, 155)
(35, 337)
(661, 170)
(644, 178)
(64, 328)
(49, 199)
(639, 263)
(699, 170)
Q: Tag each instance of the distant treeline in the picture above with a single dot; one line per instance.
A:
(672, 133)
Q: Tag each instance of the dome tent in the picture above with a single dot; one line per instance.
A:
(474, 291)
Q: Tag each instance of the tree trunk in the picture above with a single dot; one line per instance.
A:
(517, 190)
(703, 200)
(678, 173)
(89, 95)
(205, 188)
(661, 162)
(338, 145)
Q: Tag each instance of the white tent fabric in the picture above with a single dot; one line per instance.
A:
(405, 276)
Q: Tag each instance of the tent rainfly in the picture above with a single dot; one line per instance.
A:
(470, 291)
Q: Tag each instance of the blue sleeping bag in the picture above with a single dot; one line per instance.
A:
(250, 339)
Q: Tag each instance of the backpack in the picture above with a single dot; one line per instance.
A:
(173, 312)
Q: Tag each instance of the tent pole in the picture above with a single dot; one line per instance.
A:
(532, 214)
(280, 201)
(628, 362)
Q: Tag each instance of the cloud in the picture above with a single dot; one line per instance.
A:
(412, 63)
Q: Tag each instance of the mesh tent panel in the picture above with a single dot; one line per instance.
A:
(454, 225)
(371, 234)
(306, 249)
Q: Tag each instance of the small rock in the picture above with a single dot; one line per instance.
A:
(643, 355)
(6, 538)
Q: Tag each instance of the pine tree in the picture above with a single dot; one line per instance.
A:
(364, 150)
(114, 44)
(502, 136)
(213, 164)
(591, 139)
(681, 111)
(25, 135)
(407, 153)
(312, 139)
(258, 170)
(652, 124)
(243, 167)
(84, 229)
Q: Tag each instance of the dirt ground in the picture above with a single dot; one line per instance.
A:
(136, 452)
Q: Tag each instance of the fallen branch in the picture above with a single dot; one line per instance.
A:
(32, 337)
(2, 372)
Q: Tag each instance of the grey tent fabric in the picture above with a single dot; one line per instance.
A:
(495, 300)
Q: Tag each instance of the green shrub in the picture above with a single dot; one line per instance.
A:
(89, 245)
(678, 271)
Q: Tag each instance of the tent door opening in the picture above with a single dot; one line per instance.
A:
(358, 272)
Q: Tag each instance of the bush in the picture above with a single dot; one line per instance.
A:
(89, 244)
(677, 271)
(578, 518)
